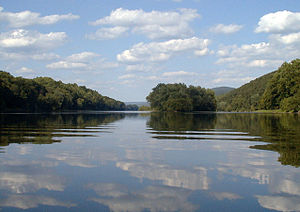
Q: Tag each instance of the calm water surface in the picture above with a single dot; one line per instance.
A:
(149, 162)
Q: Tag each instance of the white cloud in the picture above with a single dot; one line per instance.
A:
(24, 70)
(293, 38)
(161, 51)
(202, 52)
(66, 65)
(108, 33)
(82, 57)
(178, 73)
(226, 29)
(23, 56)
(282, 45)
(262, 55)
(30, 45)
(154, 24)
(127, 76)
(27, 18)
(29, 40)
(138, 67)
(279, 22)
(231, 77)
(83, 61)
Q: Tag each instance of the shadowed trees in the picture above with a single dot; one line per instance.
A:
(46, 94)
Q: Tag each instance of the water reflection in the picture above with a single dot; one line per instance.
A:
(280, 131)
(170, 176)
(150, 162)
(32, 201)
(48, 128)
(153, 198)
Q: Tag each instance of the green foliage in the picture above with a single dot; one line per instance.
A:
(245, 98)
(46, 94)
(144, 108)
(283, 90)
(179, 97)
(279, 90)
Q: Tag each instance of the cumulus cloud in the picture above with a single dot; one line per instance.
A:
(231, 76)
(25, 70)
(108, 33)
(23, 45)
(279, 22)
(161, 51)
(23, 56)
(127, 76)
(66, 65)
(31, 40)
(258, 55)
(138, 67)
(83, 61)
(283, 44)
(226, 29)
(27, 18)
(178, 73)
(293, 38)
(154, 24)
(83, 57)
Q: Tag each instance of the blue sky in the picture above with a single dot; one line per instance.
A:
(125, 48)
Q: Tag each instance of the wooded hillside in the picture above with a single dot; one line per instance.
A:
(46, 94)
(278, 90)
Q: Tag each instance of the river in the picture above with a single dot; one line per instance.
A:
(127, 161)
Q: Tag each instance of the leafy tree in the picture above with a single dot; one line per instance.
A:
(179, 97)
(283, 90)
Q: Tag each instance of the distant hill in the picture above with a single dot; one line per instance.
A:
(222, 90)
(278, 90)
(45, 94)
(139, 104)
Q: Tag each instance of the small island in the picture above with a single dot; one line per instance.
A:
(179, 97)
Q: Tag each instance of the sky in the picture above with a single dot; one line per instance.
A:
(124, 48)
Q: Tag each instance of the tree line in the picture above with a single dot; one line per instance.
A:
(46, 94)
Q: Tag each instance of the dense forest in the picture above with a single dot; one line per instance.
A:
(245, 98)
(278, 90)
(283, 90)
(179, 97)
(45, 94)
